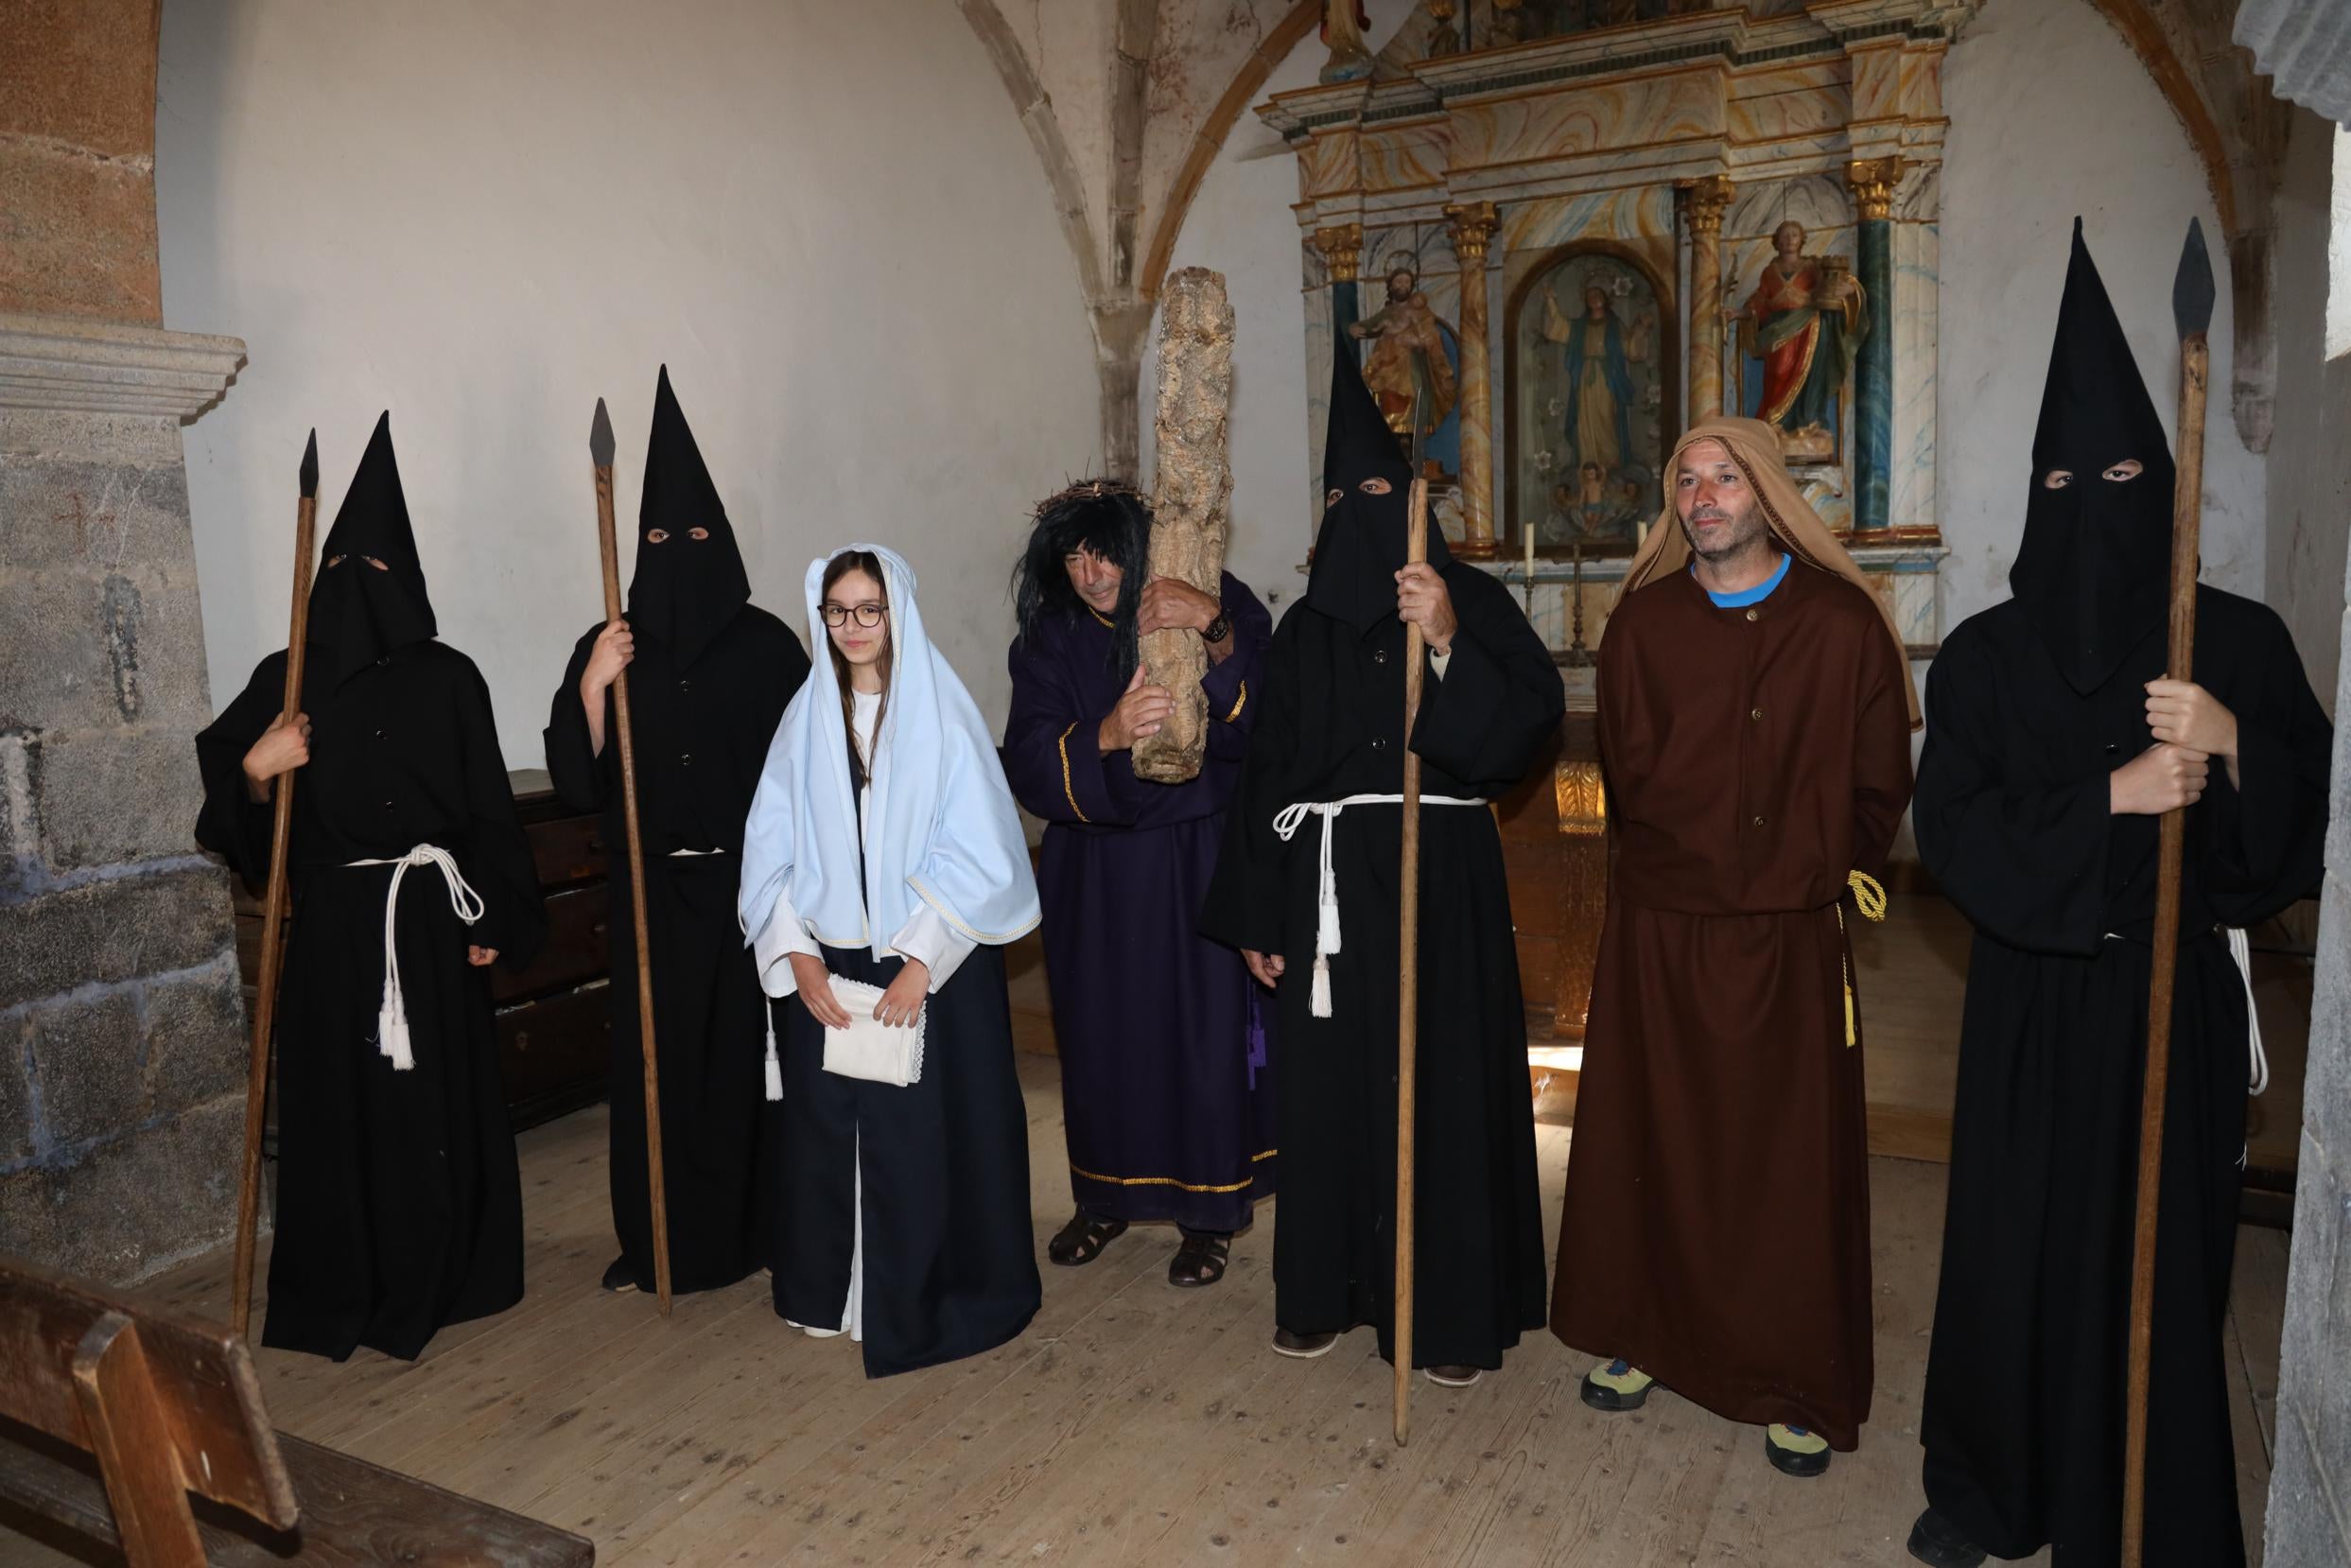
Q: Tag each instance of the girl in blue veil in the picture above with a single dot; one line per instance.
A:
(883, 848)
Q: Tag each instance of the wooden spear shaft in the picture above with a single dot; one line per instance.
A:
(1409, 976)
(601, 451)
(273, 908)
(2191, 304)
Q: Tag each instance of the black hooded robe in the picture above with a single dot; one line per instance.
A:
(709, 680)
(1332, 727)
(2030, 707)
(2023, 1421)
(399, 1205)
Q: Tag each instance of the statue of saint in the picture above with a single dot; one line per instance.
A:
(1408, 371)
(1343, 25)
(1802, 322)
(1599, 382)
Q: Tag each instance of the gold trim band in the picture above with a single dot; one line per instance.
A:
(1066, 788)
(1171, 1181)
(1238, 702)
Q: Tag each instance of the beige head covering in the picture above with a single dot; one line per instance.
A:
(1754, 446)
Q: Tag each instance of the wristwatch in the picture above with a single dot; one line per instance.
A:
(1219, 629)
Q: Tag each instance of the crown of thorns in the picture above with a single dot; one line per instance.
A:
(1086, 489)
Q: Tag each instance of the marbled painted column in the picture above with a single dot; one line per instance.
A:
(1874, 181)
(1708, 199)
(1471, 225)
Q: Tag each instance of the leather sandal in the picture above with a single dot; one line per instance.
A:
(1082, 1240)
(1201, 1260)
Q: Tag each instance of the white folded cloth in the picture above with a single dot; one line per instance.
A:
(869, 1049)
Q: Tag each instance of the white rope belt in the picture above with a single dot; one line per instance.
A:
(2240, 948)
(391, 1020)
(1286, 824)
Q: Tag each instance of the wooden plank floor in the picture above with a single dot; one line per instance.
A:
(1132, 1424)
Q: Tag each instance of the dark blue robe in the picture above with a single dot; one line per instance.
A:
(1165, 1086)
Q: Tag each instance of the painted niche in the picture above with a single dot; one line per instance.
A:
(1591, 350)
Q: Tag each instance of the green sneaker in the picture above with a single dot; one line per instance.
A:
(1618, 1385)
(1795, 1451)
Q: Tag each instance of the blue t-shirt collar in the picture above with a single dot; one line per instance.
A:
(1744, 597)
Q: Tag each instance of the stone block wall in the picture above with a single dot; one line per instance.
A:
(121, 1032)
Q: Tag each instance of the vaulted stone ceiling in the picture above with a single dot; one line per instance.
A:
(1126, 104)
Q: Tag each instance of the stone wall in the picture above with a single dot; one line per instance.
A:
(2309, 1513)
(121, 1032)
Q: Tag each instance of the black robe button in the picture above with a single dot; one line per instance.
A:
(1759, 822)
(685, 686)
(686, 759)
(386, 805)
(1757, 714)
(1379, 656)
(379, 735)
(384, 660)
(1379, 742)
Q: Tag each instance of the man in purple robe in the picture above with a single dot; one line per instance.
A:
(1165, 1088)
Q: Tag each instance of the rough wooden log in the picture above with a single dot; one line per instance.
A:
(1191, 504)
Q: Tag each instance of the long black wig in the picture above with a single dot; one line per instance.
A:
(1107, 518)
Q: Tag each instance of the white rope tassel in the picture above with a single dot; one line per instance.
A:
(2240, 948)
(391, 1018)
(1327, 934)
(774, 1068)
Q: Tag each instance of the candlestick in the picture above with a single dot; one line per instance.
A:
(1578, 591)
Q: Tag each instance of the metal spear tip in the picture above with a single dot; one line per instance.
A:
(599, 437)
(310, 467)
(2192, 287)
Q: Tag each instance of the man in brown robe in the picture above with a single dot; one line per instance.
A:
(1756, 708)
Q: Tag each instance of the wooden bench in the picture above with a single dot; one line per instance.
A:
(112, 1415)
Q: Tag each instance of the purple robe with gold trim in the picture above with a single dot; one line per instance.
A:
(1165, 1086)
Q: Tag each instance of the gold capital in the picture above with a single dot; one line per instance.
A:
(1874, 181)
(1707, 200)
(1470, 224)
(1342, 248)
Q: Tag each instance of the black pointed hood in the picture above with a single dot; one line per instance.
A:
(685, 589)
(1366, 506)
(2094, 570)
(358, 614)
(1356, 443)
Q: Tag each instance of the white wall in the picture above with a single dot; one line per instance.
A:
(484, 213)
(1240, 224)
(2052, 115)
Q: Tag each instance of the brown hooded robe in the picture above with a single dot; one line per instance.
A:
(1716, 1224)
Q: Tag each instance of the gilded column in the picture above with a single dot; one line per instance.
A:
(1471, 225)
(1342, 248)
(1873, 181)
(1708, 199)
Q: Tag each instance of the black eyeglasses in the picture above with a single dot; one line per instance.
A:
(867, 615)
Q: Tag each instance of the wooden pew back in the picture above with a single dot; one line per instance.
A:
(167, 1404)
